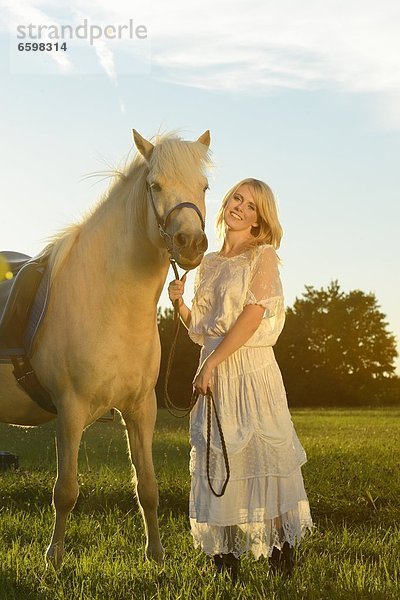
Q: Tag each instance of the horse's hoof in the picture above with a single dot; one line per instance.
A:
(156, 554)
(54, 554)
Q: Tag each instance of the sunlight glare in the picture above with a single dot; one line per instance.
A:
(5, 272)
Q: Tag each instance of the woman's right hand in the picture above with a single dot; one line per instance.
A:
(176, 289)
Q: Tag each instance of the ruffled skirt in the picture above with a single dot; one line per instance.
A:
(265, 503)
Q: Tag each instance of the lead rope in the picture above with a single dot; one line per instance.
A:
(181, 412)
(211, 404)
(172, 408)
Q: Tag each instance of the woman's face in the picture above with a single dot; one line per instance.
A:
(240, 211)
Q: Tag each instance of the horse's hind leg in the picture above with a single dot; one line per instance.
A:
(70, 424)
(140, 423)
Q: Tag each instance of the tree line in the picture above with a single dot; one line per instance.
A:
(335, 350)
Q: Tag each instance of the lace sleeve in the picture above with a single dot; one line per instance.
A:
(265, 286)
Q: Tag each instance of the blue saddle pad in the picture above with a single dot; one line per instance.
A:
(23, 303)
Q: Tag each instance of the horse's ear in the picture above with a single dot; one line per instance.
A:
(144, 146)
(205, 138)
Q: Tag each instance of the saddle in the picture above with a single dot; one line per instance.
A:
(24, 295)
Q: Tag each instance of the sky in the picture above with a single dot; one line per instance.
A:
(304, 95)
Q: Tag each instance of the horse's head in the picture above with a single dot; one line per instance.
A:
(176, 186)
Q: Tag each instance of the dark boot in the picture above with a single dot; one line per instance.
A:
(229, 564)
(282, 561)
(232, 565)
(219, 562)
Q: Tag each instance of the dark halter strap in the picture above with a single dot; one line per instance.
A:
(162, 222)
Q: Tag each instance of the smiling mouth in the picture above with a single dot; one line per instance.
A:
(233, 214)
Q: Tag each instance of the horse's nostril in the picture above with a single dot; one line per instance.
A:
(202, 244)
(180, 239)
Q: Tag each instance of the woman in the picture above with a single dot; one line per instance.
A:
(237, 315)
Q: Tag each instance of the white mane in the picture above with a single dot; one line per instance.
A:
(173, 159)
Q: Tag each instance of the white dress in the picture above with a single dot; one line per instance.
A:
(265, 503)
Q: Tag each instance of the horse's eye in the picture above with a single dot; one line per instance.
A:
(207, 187)
(156, 187)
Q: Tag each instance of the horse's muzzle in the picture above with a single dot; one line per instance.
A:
(186, 264)
(188, 250)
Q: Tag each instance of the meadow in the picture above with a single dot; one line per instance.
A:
(352, 478)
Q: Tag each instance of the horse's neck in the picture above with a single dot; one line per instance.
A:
(120, 250)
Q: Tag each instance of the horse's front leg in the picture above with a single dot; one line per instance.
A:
(140, 423)
(70, 424)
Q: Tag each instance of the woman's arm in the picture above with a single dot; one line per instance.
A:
(175, 292)
(242, 330)
(185, 314)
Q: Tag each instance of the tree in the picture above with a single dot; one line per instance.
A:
(335, 348)
(185, 361)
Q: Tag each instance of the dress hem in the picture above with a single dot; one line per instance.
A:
(254, 537)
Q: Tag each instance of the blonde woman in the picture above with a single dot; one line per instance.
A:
(237, 315)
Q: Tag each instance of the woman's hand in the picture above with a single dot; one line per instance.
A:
(201, 382)
(176, 289)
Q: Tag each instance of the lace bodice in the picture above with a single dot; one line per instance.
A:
(224, 286)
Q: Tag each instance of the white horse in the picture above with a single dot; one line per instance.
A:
(98, 346)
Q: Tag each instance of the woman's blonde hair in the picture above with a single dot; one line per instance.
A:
(269, 230)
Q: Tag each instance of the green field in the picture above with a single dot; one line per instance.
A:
(352, 478)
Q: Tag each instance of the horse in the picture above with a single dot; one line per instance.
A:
(98, 347)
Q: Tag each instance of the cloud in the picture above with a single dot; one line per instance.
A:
(232, 45)
(352, 46)
(106, 58)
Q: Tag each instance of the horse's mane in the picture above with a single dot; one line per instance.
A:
(180, 161)
(171, 158)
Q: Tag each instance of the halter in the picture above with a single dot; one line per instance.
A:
(162, 223)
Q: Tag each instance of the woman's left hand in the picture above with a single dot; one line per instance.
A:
(202, 380)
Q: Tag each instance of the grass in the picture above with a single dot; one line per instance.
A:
(352, 479)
